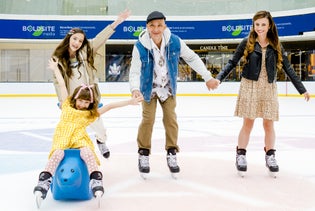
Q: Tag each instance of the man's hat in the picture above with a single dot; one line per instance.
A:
(155, 15)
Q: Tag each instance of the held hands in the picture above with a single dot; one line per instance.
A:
(136, 97)
(136, 93)
(136, 100)
(212, 84)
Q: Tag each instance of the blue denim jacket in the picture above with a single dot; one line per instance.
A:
(172, 50)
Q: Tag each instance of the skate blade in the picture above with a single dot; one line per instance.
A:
(241, 173)
(174, 175)
(144, 176)
(39, 199)
(272, 174)
(98, 196)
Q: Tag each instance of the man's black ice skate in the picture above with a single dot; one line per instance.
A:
(143, 163)
(96, 185)
(40, 191)
(271, 163)
(103, 149)
(241, 163)
(172, 162)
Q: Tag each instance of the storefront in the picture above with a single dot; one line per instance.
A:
(215, 57)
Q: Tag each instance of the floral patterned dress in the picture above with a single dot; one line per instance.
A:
(258, 99)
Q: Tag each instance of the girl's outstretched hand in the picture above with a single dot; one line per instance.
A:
(121, 18)
(136, 100)
(124, 15)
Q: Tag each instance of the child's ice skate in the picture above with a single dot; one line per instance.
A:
(271, 163)
(241, 163)
(40, 191)
(172, 163)
(103, 149)
(96, 184)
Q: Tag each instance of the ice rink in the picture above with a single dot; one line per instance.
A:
(207, 136)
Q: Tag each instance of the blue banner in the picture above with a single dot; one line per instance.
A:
(195, 29)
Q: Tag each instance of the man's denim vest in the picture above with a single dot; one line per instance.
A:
(172, 50)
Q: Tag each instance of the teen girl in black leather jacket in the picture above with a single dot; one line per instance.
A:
(263, 55)
(252, 68)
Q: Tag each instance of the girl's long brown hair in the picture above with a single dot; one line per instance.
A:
(272, 36)
(85, 94)
(62, 52)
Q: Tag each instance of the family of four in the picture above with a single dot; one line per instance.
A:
(153, 79)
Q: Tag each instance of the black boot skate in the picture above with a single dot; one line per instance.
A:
(241, 163)
(271, 163)
(40, 191)
(143, 162)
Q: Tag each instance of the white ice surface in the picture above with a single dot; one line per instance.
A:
(208, 135)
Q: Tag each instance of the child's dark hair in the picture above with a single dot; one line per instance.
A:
(88, 93)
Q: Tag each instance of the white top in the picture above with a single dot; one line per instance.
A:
(79, 77)
(160, 79)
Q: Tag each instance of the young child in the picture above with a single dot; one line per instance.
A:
(78, 111)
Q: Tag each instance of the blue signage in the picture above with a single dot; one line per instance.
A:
(195, 29)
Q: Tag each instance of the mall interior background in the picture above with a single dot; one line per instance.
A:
(26, 61)
(143, 7)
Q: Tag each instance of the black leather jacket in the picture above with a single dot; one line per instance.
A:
(252, 68)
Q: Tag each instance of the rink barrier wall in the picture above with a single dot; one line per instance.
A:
(121, 89)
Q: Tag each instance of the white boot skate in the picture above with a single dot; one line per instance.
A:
(271, 163)
(172, 164)
(40, 191)
(241, 163)
(103, 149)
(144, 166)
(96, 185)
(143, 163)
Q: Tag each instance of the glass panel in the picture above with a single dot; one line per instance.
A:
(216, 61)
(310, 65)
(15, 65)
(185, 73)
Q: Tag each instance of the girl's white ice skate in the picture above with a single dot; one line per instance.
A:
(271, 164)
(241, 165)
